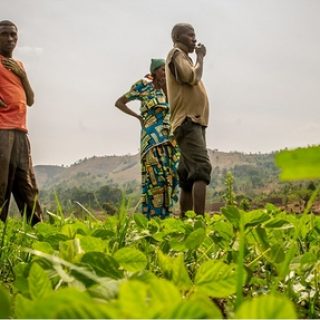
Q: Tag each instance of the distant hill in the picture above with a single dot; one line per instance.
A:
(250, 171)
(255, 178)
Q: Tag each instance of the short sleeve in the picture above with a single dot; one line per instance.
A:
(184, 69)
(135, 91)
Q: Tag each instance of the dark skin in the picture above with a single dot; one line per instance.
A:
(8, 42)
(159, 82)
(186, 38)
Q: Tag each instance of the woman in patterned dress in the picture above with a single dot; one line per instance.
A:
(158, 150)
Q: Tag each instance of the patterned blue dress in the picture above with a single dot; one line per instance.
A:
(158, 149)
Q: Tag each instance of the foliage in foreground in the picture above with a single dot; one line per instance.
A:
(238, 264)
(258, 264)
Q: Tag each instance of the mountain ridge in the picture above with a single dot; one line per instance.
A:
(96, 171)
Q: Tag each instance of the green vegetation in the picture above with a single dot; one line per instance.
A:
(238, 263)
(106, 198)
(128, 267)
(255, 183)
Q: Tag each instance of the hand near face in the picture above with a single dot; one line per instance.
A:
(12, 65)
(200, 49)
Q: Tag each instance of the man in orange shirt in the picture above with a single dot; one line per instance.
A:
(16, 172)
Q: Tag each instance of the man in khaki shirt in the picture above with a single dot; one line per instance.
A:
(189, 116)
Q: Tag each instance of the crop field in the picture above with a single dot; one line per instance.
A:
(263, 263)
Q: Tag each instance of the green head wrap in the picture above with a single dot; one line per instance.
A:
(156, 63)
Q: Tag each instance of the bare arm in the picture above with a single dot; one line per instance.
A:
(20, 72)
(184, 71)
(28, 90)
(121, 104)
(198, 68)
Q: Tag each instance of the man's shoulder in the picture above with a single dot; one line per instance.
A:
(175, 50)
(173, 53)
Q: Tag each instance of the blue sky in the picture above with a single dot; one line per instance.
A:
(262, 70)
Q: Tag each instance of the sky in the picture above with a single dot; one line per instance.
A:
(261, 71)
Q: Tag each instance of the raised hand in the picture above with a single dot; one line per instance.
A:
(200, 49)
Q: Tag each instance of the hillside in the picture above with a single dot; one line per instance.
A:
(255, 177)
(250, 171)
(90, 172)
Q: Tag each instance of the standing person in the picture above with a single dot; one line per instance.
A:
(16, 172)
(158, 151)
(189, 116)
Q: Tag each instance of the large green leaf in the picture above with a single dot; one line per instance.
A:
(166, 264)
(39, 283)
(108, 290)
(164, 294)
(134, 299)
(147, 300)
(66, 303)
(174, 269)
(216, 279)
(276, 254)
(172, 225)
(104, 265)
(199, 307)
(42, 246)
(44, 229)
(55, 239)
(21, 271)
(180, 274)
(71, 229)
(223, 229)
(177, 245)
(5, 303)
(261, 237)
(22, 307)
(254, 218)
(131, 259)
(86, 310)
(89, 243)
(298, 164)
(232, 214)
(140, 220)
(195, 238)
(70, 250)
(267, 307)
(103, 234)
(278, 223)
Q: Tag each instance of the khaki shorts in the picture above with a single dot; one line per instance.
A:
(194, 162)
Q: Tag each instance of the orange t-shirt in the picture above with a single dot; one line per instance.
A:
(14, 115)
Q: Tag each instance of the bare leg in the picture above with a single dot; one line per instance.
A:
(199, 196)
(186, 202)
